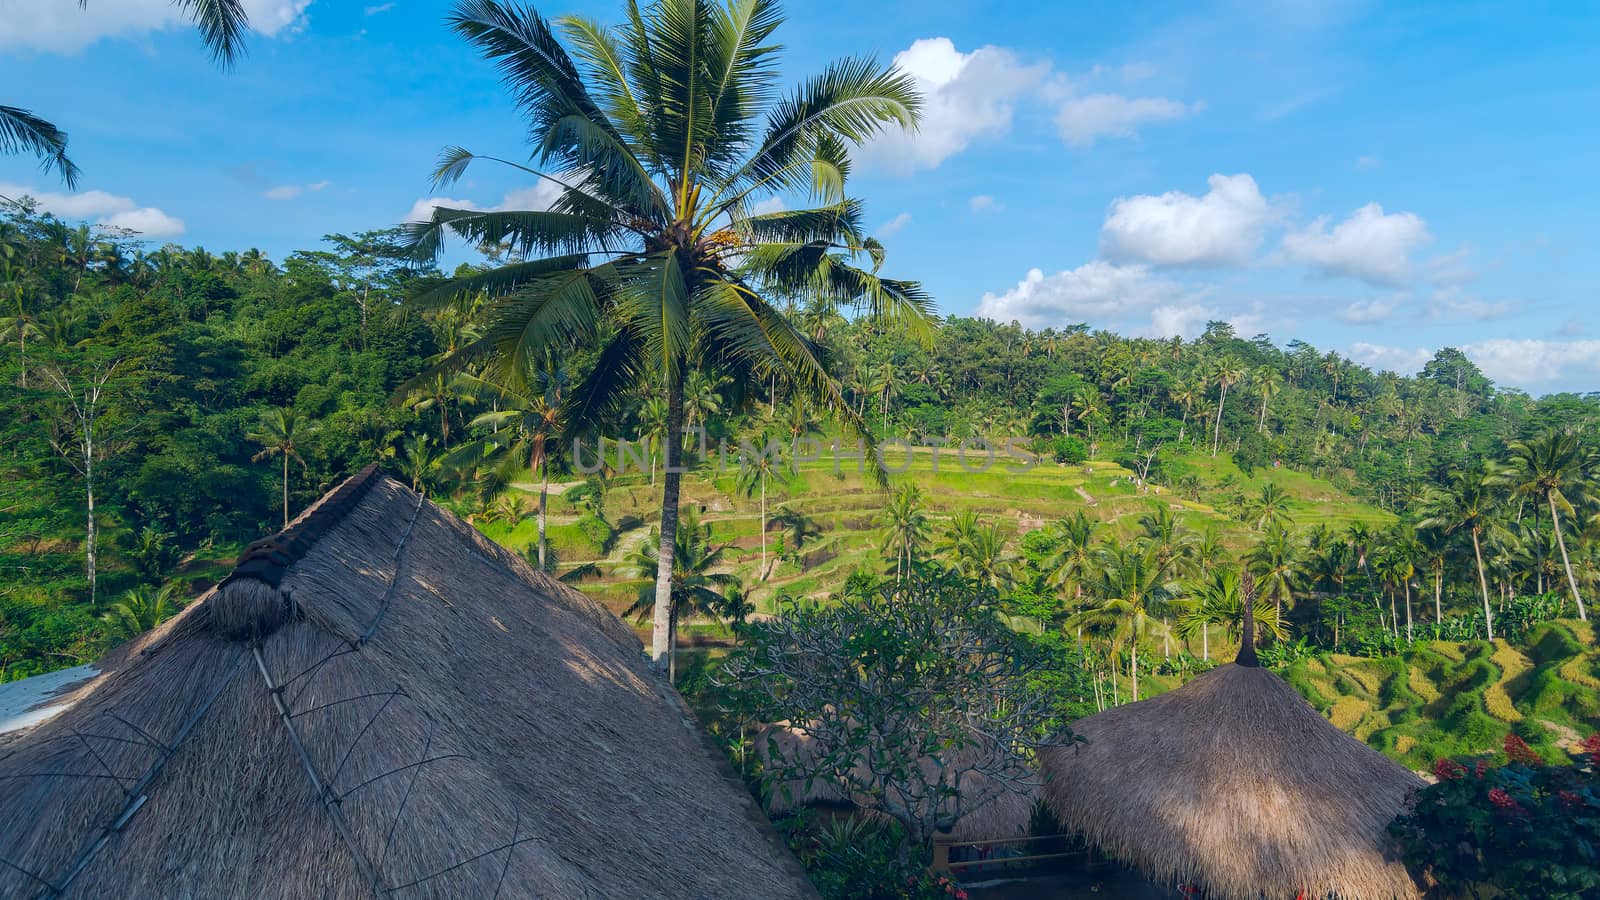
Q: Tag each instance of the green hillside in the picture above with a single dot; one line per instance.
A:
(1443, 698)
(842, 506)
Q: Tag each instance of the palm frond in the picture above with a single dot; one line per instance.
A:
(23, 132)
(222, 25)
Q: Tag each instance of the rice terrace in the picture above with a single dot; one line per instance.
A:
(719, 449)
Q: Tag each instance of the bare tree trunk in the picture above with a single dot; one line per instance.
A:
(672, 474)
(1555, 520)
(1205, 642)
(1483, 582)
(763, 478)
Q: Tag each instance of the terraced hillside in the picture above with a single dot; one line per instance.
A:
(1444, 698)
(842, 506)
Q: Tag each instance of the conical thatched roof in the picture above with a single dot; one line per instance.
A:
(380, 702)
(1237, 785)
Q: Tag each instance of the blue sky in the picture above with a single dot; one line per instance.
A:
(1379, 180)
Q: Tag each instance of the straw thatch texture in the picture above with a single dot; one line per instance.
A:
(1235, 784)
(991, 809)
(452, 724)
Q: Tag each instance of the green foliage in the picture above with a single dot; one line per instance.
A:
(1523, 828)
(854, 858)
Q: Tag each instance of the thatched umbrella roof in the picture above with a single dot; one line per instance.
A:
(380, 702)
(1234, 783)
(991, 808)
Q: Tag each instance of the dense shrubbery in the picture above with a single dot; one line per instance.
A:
(1523, 827)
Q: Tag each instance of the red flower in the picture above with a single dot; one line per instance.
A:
(961, 895)
(1569, 799)
(1519, 751)
(1447, 769)
(1505, 803)
(1592, 747)
(1481, 767)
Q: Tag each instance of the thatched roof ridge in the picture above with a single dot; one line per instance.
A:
(381, 702)
(1235, 784)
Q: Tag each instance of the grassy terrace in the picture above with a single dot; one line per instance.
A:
(844, 504)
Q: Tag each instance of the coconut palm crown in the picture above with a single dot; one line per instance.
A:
(658, 136)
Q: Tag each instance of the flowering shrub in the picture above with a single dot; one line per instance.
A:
(1525, 828)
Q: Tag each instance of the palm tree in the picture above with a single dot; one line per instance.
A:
(1131, 592)
(1072, 563)
(695, 587)
(1466, 505)
(280, 434)
(438, 393)
(1435, 554)
(222, 24)
(652, 131)
(1398, 562)
(755, 470)
(1278, 567)
(525, 421)
(1215, 599)
(985, 560)
(18, 327)
(905, 528)
(139, 610)
(1165, 535)
(1274, 506)
(1551, 468)
(1268, 382)
(1229, 372)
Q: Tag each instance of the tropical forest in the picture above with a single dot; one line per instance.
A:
(922, 574)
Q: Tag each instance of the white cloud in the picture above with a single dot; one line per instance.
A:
(1451, 304)
(104, 209)
(985, 203)
(1185, 321)
(1223, 227)
(1376, 309)
(1096, 290)
(291, 191)
(1371, 245)
(380, 8)
(1519, 362)
(1531, 362)
(967, 97)
(769, 205)
(1081, 120)
(1368, 163)
(1394, 359)
(538, 197)
(64, 27)
(893, 226)
(1453, 268)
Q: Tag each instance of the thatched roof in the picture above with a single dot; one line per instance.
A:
(992, 809)
(1237, 785)
(380, 702)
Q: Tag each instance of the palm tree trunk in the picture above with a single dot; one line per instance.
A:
(672, 649)
(544, 497)
(1438, 595)
(1561, 542)
(1136, 672)
(1261, 423)
(1483, 582)
(763, 525)
(286, 489)
(1205, 642)
(672, 474)
(1216, 431)
(1408, 610)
